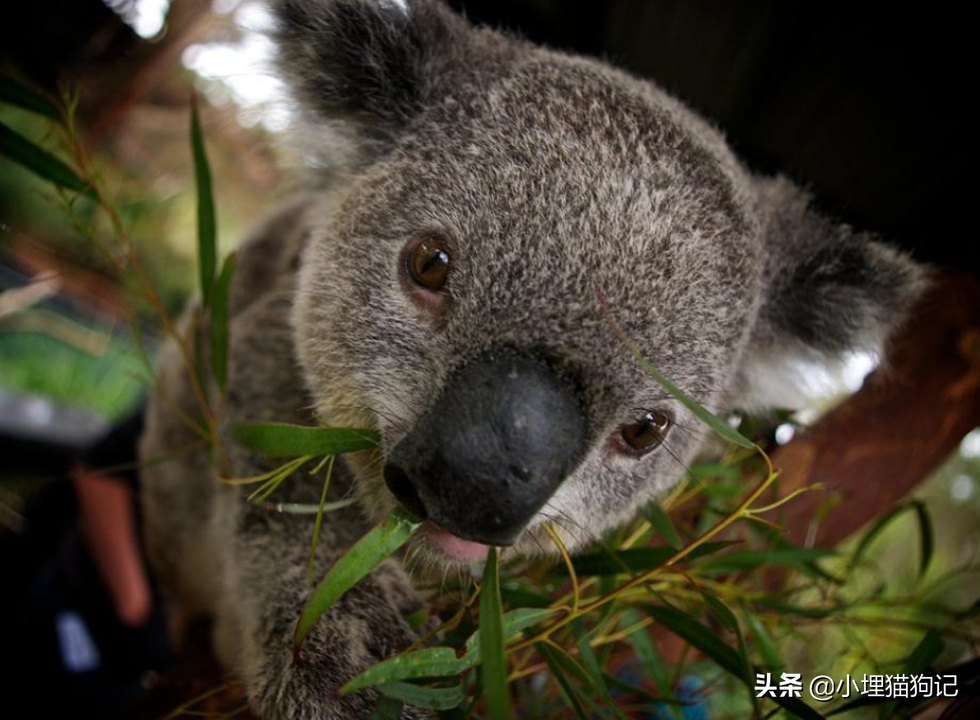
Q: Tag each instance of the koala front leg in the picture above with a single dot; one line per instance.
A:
(262, 602)
(264, 584)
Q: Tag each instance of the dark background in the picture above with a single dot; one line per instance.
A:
(866, 103)
(863, 102)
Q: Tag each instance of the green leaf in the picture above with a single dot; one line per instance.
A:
(929, 648)
(425, 697)
(763, 642)
(802, 611)
(515, 621)
(873, 532)
(570, 666)
(387, 709)
(206, 226)
(219, 322)
(568, 691)
(592, 666)
(366, 554)
(716, 471)
(722, 428)
(428, 662)
(315, 540)
(798, 558)
(660, 521)
(285, 440)
(727, 618)
(926, 537)
(647, 653)
(926, 542)
(614, 562)
(39, 161)
(703, 639)
(719, 426)
(516, 594)
(442, 661)
(26, 98)
(494, 670)
(721, 612)
(696, 634)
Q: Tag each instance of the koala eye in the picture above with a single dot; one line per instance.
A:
(647, 433)
(428, 262)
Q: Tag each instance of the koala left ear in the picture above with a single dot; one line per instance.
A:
(364, 69)
(828, 291)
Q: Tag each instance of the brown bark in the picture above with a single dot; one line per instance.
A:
(901, 425)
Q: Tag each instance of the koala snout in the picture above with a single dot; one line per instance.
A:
(505, 433)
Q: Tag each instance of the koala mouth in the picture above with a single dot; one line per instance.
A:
(505, 433)
(452, 546)
(432, 536)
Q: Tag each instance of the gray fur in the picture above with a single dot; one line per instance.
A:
(551, 176)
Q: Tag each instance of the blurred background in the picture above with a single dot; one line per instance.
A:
(863, 104)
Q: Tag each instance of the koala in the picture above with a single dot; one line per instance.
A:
(441, 279)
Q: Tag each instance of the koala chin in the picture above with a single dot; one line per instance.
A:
(439, 281)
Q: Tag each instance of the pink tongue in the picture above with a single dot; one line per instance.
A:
(456, 547)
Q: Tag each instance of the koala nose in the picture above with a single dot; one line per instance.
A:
(505, 433)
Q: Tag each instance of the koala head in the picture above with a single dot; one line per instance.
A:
(485, 193)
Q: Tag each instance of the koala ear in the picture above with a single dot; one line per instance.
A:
(829, 292)
(363, 69)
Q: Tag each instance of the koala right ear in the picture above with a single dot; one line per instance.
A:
(363, 69)
(828, 291)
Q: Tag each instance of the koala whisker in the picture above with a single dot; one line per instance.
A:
(534, 538)
(394, 419)
(561, 525)
(670, 451)
(445, 574)
(699, 433)
(462, 584)
(370, 466)
(565, 516)
(412, 559)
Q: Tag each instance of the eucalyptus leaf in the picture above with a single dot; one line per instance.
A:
(366, 554)
(15, 93)
(428, 662)
(565, 687)
(426, 697)
(634, 560)
(219, 322)
(661, 522)
(285, 440)
(514, 621)
(707, 642)
(645, 649)
(592, 666)
(492, 658)
(925, 653)
(206, 225)
(926, 536)
(798, 558)
(722, 428)
(387, 709)
(442, 661)
(765, 645)
(39, 161)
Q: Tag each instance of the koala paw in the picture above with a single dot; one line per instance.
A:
(364, 627)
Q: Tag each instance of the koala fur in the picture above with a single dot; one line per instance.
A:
(551, 177)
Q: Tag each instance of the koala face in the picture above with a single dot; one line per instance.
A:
(488, 198)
